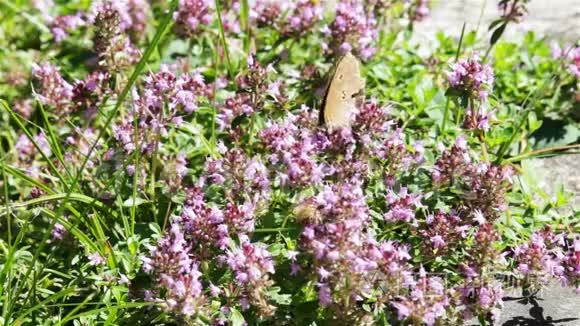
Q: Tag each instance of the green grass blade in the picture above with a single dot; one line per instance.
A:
(245, 24)
(133, 210)
(80, 306)
(137, 71)
(60, 196)
(53, 139)
(526, 110)
(76, 232)
(41, 304)
(28, 134)
(223, 38)
(457, 53)
(17, 173)
(9, 229)
(99, 310)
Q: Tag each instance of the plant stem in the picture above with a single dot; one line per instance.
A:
(445, 115)
(480, 16)
(273, 230)
(138, 145)
(223, 38)
(483, 146)
(541, 151)
(460, 43)
(457, 53)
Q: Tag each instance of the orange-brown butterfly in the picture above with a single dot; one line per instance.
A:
(343, 94)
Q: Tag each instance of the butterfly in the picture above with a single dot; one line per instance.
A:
(343, 94)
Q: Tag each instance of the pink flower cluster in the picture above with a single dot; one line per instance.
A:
(292, 19)
(267, 13)
(478, 119)
(192, 15)
(54, 91)
(479, 293)
(206, 223)
(419, 10)
(293, 151)
(132, 15)
(249, 98)
(340, 248)
(513, 10)
(353, 29)
(571, 264)
(59, 232)
(452, 163)
(487, 185)
(236, 172)
(182, 93)
(177, 275)
(377, 137)
(441, 233)
(61, 25)
(471, 77)
(113, 46)
(211, 226)
(89, 93)
(401, 206)
(481, 298)
(426, 302)
(570, 55)
(202, 232)
(252, 266)
(302, 17)
(484, 184)
(549, 256)
(250, 262)
(26, 149)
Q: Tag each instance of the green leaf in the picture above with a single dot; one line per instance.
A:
(497, 34)
(533, 122)
(134, 201)
(276, 249)
(236, 318)
(452, 92)
(274, 294)
(381, 72)
(499, 136)
(494, 24)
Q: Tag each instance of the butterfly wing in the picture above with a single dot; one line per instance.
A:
(343, 93)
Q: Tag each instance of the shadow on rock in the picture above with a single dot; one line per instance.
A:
(555, 133)
(536, 317)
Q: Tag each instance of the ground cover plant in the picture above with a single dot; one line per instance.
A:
(164, 163)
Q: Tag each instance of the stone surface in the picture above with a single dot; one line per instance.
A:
(553, 306)
(561, 170)
(559, 19)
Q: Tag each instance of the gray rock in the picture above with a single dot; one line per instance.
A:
(557, 19)
(552, 306)
(560, 170)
